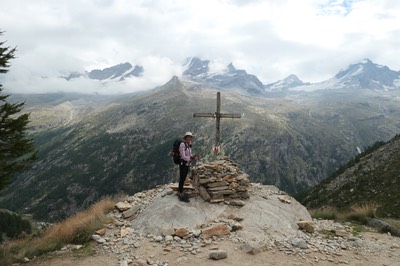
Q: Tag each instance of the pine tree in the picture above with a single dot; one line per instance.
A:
(16, 150)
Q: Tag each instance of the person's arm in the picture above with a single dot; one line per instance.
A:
(194, 157)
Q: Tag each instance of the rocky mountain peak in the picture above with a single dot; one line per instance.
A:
(174, 83)
(118, 72)
(284, 84)
(231, 68)
(195, 67)
(367, 74)
(199, 71)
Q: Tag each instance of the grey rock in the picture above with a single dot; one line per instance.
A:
(131, 211)
(299, 243)
(218, 254)
(263, 217)
(123, 263)
(253, 247)
(383, 227)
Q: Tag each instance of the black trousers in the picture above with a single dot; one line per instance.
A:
(183, 171)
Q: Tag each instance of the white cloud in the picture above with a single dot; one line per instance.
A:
(271, 39)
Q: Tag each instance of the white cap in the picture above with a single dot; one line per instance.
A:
(188, 134)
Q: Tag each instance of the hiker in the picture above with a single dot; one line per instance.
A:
(185, 151)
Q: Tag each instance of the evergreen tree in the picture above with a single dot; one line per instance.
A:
(16, 150)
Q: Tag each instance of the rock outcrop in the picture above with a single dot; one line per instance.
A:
(268, 219)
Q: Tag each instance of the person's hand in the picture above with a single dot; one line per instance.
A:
(196, 157)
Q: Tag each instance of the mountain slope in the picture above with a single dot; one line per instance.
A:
(373, 178)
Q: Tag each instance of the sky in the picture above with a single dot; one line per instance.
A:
(271, 39)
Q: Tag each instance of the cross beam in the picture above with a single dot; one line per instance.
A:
(217, 116)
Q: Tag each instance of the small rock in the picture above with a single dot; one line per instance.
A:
(217, 230)
(101, 232)
(252, 248)
(166, 231)
(123, 206)
(131, 211)
(307, 226)
(239, 203)
(237, 227)
(140, 262)
(101, 241)
(95, 237)
(234, 217)
(123, 263)
(158, 238)
(169, 238)
(218, 254)
(342, 233)
(119, 223)
(395, 246)
(125, 231)
(181, 232)
(196, 233)
(149, 261)
(284, 199)
(299, 242)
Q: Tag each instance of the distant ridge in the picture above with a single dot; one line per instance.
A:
(361, 75)
(118, 72)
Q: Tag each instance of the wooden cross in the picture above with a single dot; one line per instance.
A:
(217, 116)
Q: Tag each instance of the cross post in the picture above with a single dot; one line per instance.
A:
(217, 116)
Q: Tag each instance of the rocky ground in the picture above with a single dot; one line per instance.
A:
(368, 248)
(225, 236)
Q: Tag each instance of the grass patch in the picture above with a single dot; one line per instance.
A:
(361, 213)
(357, 229)
(76, 229)
(357, 213)
(325, 214)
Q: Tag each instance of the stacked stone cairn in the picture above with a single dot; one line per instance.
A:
(221, 181)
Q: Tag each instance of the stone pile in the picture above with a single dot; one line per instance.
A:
(221, 181)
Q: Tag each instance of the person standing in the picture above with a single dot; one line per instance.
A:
(185, 151)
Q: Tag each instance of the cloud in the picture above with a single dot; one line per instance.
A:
(271, 39)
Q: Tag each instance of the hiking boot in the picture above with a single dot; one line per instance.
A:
(183, 197)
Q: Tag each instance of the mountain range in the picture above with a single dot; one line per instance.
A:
(118, 72)
(293, 134)
(362, 75)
